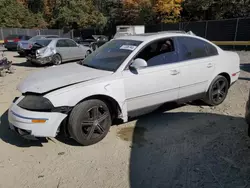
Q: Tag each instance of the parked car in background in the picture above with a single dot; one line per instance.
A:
(124, 78)
(11, 41)
(26, 45)
(247, 114)
(56, 51)
(94, 41)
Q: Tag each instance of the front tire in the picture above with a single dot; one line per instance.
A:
(89, 122)
(217, 91)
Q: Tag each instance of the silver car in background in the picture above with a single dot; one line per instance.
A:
(56, 51)
(25, 45)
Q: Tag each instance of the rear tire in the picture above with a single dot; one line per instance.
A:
(89, 122)
(217, 91)
(56, 59)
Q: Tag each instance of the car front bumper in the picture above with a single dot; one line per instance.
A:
(26, 122)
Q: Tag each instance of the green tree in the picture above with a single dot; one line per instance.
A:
(15, 14)
(77, 13)
(215, 9)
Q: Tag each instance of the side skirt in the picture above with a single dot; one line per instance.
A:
(166, 106)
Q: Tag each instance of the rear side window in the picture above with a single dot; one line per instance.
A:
(71, 43)
(192, 48)
(61, 43)
(211, 50)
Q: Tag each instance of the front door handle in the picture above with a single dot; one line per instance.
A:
(174, 72)
(209, 65)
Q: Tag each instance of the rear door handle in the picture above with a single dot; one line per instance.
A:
(174, 72)
(209, 65)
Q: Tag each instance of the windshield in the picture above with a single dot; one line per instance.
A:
(111, 55)
(43, 42)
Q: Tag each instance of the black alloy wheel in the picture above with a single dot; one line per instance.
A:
(56, 60)
(218, 91)
(90, 122)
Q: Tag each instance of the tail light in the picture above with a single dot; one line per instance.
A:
(5, 40)
(16, 39)
(30, 46)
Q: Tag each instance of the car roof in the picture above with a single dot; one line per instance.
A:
(153, 36)
(53, 38)
(45, 35)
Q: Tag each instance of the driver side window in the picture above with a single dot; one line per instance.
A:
(159, 53)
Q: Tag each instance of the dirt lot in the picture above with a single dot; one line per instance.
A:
(191, 146)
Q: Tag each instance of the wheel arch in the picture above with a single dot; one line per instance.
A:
(227, 76)
(224, 74)
(113, 105)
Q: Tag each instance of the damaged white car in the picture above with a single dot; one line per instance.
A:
(125, 77)
(56, 51)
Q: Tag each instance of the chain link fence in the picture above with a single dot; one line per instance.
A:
(213, 30)
(4, 32)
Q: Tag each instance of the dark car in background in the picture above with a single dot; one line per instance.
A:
(94, 41)
(247, 114)
(11, 41)
(25, 46)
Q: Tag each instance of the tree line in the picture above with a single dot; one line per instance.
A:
(101, 14)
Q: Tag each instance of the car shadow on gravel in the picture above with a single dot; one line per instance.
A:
(23, 64)
(244, 78)
(191, 150)
(13, 138)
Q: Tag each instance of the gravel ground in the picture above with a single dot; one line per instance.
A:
(190, 146)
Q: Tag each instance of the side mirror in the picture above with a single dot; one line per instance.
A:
(139, 63)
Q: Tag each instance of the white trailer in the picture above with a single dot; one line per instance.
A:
(123, 30)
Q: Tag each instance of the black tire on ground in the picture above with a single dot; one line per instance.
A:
(217, 91)
(56, 59)
(89, 122)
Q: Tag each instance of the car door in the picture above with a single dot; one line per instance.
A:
(63, 49)
(158, 82)
(76, 51)
(196, 66)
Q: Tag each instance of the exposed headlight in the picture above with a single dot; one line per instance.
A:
(36, 103)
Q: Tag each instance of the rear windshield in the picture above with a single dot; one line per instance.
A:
(43, 42)
(13, 37)
(35, 38)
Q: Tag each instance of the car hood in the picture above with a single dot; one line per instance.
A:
(57, 77)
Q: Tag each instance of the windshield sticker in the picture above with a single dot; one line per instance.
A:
(128, 47)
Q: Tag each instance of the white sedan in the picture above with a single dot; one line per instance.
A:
(125, 77)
